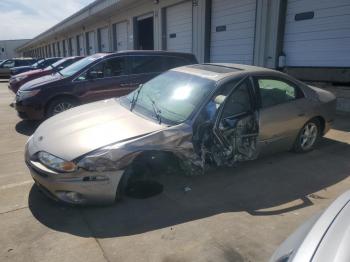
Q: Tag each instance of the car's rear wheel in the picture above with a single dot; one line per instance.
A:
(308, 137)
(60, 105)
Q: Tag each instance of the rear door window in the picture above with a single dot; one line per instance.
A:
(146, 64)
(276, 91)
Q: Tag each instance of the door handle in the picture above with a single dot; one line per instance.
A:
(301, 114)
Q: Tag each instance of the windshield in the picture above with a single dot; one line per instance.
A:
(56, 64)
(76, 67)
(175, 96)
(37, 64)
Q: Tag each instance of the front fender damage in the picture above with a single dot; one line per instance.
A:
(176, 140)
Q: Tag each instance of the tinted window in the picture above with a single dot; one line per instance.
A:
(274, 92)
(109, 68)
(146, 64)
(239, 101)
(172, 62)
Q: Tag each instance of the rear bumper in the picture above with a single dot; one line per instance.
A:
(80, 188)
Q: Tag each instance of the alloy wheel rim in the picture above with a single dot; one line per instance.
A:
(308, 136)
(59, 108)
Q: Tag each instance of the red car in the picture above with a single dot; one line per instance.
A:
(17, 81)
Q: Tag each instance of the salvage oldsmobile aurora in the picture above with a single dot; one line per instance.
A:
(200, 115)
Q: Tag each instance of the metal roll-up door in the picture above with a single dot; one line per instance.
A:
(120, 36)
(104, 39)
(179, 27)
(72, 47)
(317, 33)
(233, 31)
(80, 45)
(91, 48)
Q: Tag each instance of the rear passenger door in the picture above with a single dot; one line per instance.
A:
(105, 79)
(282, 113)
(143, 68)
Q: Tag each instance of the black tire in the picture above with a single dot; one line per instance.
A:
(59, 105)
(303, 146)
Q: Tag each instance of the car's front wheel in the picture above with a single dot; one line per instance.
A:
(59, 105)
(308, 137)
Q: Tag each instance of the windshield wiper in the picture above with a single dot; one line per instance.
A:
(156, 110)
(135, 97)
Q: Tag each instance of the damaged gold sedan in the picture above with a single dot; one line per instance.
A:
(198, 115)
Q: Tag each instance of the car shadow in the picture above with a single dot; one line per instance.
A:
(342, 122)
(258, 187)
(26, 127)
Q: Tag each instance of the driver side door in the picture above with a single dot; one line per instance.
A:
(237, 127)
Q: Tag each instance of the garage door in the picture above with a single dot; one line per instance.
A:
(317, 33)
(72, 46)
(104, 39)
(120, 36)
(233, 31)
(80, 45)
(91, 48)
(179, 27)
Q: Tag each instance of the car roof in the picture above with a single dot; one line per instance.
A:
(220, 71)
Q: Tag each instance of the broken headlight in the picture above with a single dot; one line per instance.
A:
(56, 163)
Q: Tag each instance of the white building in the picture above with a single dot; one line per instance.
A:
(8, 48)
(307, 38)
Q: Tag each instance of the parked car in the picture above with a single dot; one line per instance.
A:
(5, 66)
(96, 77)
(18, 80)
(41, 64)
(207, 114)
(324, 237)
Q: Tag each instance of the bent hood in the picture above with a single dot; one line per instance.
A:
(38, 82)
(83, 129)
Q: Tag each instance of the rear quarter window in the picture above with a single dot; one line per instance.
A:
(171, 62)
(146, 64)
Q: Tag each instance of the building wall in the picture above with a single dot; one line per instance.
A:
(271, 30)
(8, 48)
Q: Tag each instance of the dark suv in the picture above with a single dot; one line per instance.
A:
(5, 66)
(93, 78)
